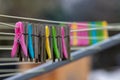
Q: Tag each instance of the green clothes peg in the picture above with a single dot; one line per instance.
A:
(55, 46)
(100, 33)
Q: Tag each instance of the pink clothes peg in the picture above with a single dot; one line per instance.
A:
(83, 41)
(64, 50)
(19, 39)
(79, 38)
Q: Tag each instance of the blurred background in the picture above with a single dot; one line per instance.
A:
(65, 10)
(107, 63)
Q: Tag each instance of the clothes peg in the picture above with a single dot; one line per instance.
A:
(67, 39)
(19, 39)
(42, 44)
(105, 31)
(30, 41)
(92, 33)
(26, 42)
(51, 41)
(47, 33)
(73, 41)
(55, 46)
(36, 42)
(99, 32)
(20, 52)
(64, 49)
(59, 40)
(81, 41)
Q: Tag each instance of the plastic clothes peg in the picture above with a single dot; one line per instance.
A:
(73, 41)
(19, 39)
(100, 33)
(92, 33)
(105, 31)
(82, 41)
(64, 49)
(30, 42)
(55, 46)
(47, 33)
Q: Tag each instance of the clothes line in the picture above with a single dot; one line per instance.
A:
(41, 20)
(17, 63)
(78, 30)
(13, 26)
(108, 27)
(5, 33)
(12, 34)
(7, 24)
(6, 75)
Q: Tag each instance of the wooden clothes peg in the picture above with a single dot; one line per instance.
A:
(51, 40)
(59, 40)
(67, 39)
(26, 41)
(36, 42)
(42, 44)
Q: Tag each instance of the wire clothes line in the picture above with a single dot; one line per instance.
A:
(10, 70)
(17, 63)
(13, 26)
(7, 24)
(81, 37)
(9, 59)
(6, 75)
(77, 30)
(87, 29)
(5, 33)
(41, 20)
(9, 48)
(48, 66)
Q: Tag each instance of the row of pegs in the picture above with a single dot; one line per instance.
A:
(96, 35)
(41, 42)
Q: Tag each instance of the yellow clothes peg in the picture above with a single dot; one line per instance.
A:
(105, 24)
(47, 44)
(74, 27)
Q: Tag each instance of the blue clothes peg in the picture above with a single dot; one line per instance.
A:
(94, 32)
(30, 43)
